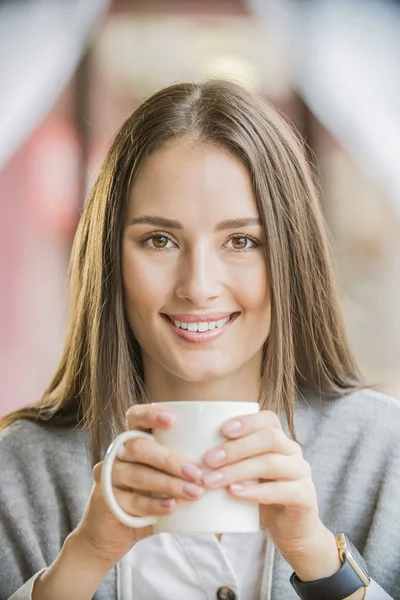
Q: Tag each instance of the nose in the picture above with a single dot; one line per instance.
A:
(199, 277)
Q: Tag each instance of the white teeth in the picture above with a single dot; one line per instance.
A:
(202, 326)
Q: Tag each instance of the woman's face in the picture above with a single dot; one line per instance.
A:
(193, 265)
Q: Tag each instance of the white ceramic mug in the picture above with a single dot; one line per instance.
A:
(196, 429)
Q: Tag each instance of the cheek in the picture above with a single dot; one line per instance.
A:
(253, 294)
(252, 287)
(145, 287)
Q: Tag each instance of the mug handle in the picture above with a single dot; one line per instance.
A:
(106, 481)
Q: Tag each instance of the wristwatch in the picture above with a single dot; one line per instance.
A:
(352, 575)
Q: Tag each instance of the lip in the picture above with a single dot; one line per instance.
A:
(204, 337)
(191, 318)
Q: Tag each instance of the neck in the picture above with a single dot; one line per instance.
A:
(243, 385)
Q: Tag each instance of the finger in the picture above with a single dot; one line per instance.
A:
(260, 442)
(137, 505)
(246, 424)
(148, 452)
(149, 416)
(128, 476)
(295, 494)
(266, 466)
(140, 505)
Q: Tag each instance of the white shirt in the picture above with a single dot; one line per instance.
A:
(197, 566)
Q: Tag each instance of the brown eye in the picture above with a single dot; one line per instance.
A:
(239, 243)
(160, 241)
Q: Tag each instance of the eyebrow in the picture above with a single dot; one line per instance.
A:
(172, 224)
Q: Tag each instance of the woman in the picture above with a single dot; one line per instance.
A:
(204, 212)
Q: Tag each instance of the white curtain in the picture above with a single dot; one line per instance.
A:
(41, 43)
(345, 56)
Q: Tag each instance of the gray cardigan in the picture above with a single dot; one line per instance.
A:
(352, 444)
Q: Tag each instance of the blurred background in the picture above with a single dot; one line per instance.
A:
(71, 72)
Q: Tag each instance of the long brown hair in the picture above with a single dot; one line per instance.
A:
(100, 373)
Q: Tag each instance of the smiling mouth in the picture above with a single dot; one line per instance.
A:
(202, 326)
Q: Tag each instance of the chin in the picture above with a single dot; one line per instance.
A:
(202, 378)
(202, 374)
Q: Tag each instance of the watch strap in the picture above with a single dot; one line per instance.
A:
(341, 584)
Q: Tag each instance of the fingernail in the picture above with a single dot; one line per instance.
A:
(213, 478)
(215, 457)
(165, 418)
(191, 472)
(167, 502)
(236, 488)
(232, 427)
(192, 490)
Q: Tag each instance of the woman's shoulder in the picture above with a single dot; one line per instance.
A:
(36, 436)
(354, 416)
(33, 447)
(369, 412)
(371, 399)
(362, 405)
(41, 464)
(45, 482)
(368, 408)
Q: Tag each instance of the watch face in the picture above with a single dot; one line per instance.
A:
(354, 554)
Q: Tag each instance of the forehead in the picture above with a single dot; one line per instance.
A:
(190, 178)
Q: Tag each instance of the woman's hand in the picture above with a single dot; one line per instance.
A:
(100, 540)
(143, 468)
(258, 449)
